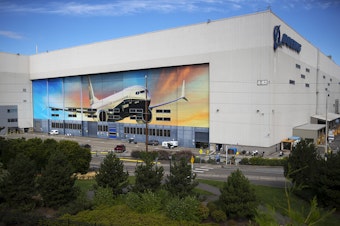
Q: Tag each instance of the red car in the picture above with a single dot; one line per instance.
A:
(120, 148)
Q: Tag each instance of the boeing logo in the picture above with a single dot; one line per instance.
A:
(286, 40)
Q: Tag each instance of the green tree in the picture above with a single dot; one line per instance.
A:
(181, 181)
(18, 186)
(111, 175)
(304, 159)
(148, 175)
(238, 198)
(56, 183)
(9, 149)
(3, 173)
(79, 157)
(326, 185)
(35, 150)
(313, 175)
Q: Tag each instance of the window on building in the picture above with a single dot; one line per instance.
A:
(307, 70)
(307, 85)
(303, 76)
(292, 82)
(297, 66)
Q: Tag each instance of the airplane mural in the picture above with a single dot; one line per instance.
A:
(173, 96)
(131, 101)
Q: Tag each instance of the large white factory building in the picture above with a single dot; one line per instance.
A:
(247, 80)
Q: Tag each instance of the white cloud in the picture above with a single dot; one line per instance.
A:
(119, 7)
(122, 7)
(10, 34)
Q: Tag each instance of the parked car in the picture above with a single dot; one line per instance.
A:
(53, 132)
(85, 146)
(120, 148)
(153, 142)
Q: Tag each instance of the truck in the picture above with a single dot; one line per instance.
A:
(170, 144)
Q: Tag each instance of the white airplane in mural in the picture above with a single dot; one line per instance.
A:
(130, 102)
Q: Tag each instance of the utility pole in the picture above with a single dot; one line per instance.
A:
(326, 139)
(146, 111)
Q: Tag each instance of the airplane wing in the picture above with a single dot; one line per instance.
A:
(169, 102)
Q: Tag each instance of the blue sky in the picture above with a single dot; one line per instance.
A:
(58, 24)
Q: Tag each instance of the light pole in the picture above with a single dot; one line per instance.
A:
(326, 139)
(146, 114)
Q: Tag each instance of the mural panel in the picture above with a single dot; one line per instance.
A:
(174, 96)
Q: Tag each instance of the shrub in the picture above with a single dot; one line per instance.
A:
(135, 154)
(147, 202)
(103, 196)
(203, 211)
(212, 206)
(259, 161)
(186, 209)
(218, 216)
(182, 154)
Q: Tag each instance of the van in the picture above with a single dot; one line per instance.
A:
(170, 144)
(330, 136)
(54, 132)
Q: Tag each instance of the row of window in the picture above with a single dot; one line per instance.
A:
(102, 128)
(292, 82)
(151, 132)
(12, 120)
(60, 125)
(298, 66)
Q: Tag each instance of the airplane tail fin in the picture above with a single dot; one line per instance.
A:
(183, 92)
(92, 97)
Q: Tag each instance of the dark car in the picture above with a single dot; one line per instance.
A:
(120, 148)
(153, 142)
(85, 146)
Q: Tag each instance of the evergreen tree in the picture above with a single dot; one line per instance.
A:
(56, 183)
(238, 198)
(79, 157)
(304, 160)
(18, 185)
(111, 175)
(181, 181)
(148, 175)
(327, 181)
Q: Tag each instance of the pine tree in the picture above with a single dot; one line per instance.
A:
(56, 183)
(148, 175)
(238, 198)
(111, 175)
(181, 181)
(19, 182)
(304, 160)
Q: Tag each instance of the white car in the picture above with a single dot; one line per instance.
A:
(54, 132)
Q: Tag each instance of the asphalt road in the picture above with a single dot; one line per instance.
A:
(270, 176)
(263, 175)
